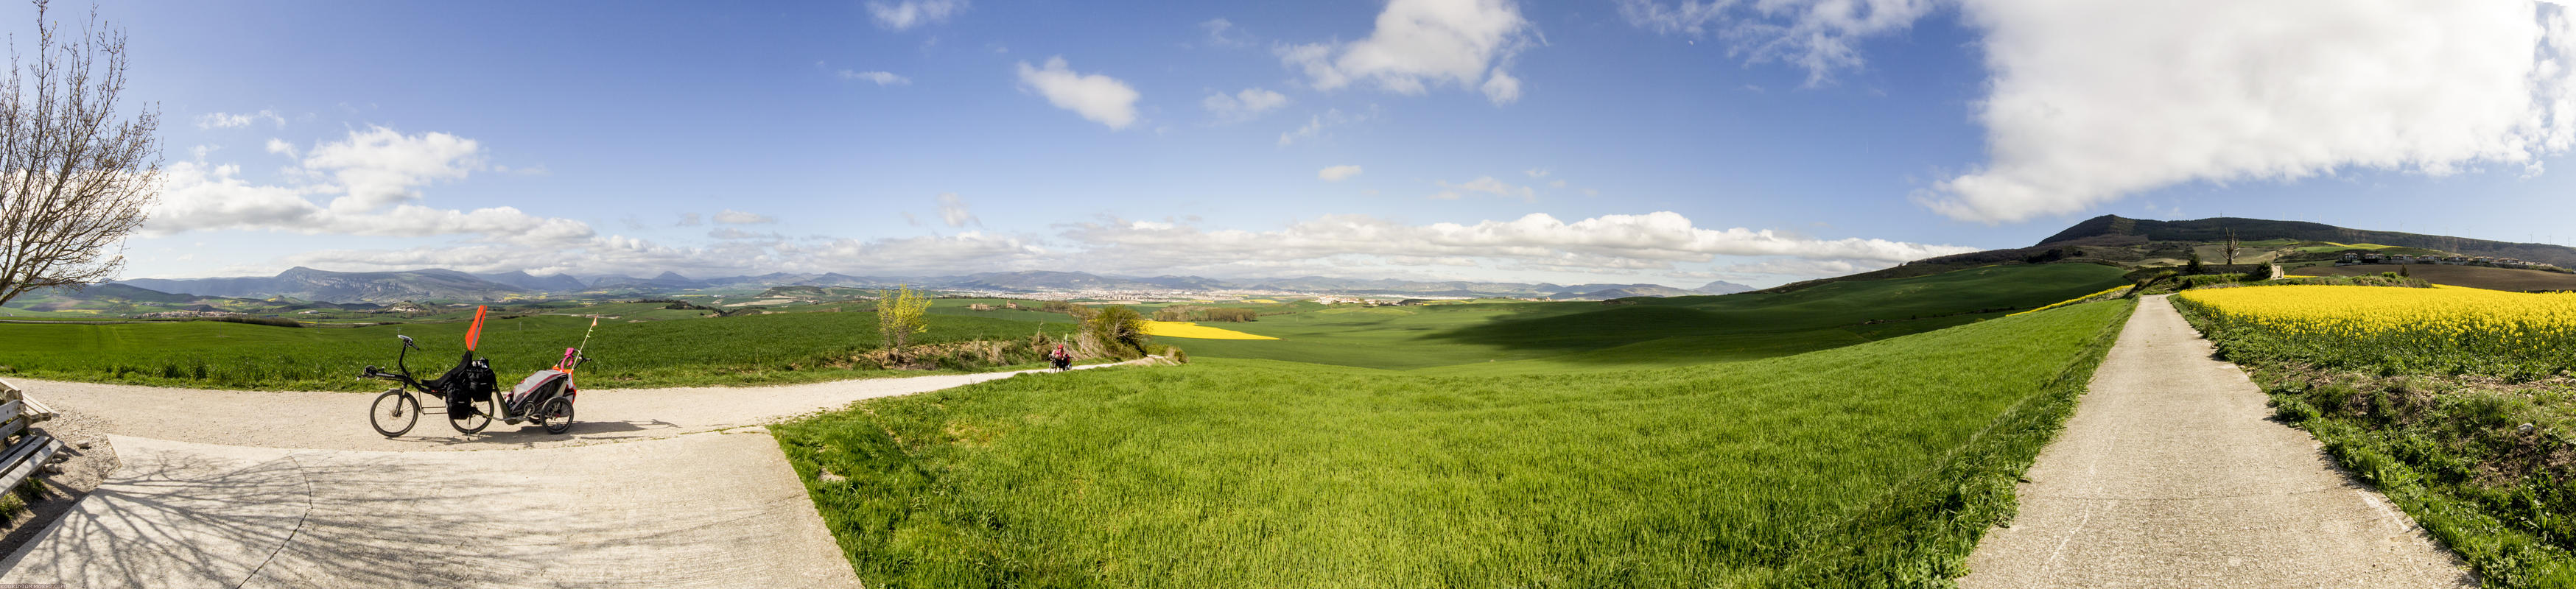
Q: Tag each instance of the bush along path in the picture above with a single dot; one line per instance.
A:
(2171, 475)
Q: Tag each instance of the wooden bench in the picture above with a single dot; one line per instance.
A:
(28, 451)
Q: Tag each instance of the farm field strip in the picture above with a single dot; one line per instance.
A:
(1877, 461)
(2440, 330)
(1191, 330)
(758, 349)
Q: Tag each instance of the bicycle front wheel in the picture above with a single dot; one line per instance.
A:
(394, 412)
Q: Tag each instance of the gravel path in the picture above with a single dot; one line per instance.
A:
(338, 421)
(2171, 474)
(236, 489)
(704, 510)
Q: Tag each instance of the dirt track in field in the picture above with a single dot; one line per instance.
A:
(231, 489)
(2172, 474)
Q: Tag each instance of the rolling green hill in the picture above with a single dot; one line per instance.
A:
(1666, 331)
(1875, 464)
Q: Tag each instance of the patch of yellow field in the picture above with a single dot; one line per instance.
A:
(1195, 331)
(1262, 301)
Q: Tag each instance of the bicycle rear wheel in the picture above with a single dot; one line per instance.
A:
(394, 412)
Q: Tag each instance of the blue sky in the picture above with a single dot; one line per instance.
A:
(1612, 141)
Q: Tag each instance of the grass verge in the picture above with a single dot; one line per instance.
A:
(1877, 464)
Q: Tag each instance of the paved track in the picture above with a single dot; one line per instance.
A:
(338, 421)
(303, 494)
(2171, 474)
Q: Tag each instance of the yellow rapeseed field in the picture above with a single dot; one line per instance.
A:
(2071, 301)
(2445, 329)
(1193, 330)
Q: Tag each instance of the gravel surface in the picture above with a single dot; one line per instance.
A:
(2172, 474)
(338, 421)
(208, 488)
(719, 509)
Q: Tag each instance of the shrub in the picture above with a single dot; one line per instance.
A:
(1121, 330)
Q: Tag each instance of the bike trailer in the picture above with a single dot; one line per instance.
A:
(545, 384)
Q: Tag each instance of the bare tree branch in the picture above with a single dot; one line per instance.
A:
(75, 178)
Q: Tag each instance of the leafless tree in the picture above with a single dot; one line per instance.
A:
(75, 178)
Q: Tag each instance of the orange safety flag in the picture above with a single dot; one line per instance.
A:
(474, 333)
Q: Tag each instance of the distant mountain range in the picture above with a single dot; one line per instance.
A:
(439, 284)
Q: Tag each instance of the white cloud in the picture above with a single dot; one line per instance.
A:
(1486, 185)
(369, 178)
(734, 217)
(2095, 101)
(1818, 35)
(952, 210)
(1337, 173)
(1100, 98)
(738, 233)
(1418, 44)
(1316, 125)
(881, 78)
(378, 167)
(691, 220)
(1245, 105)
(1221, 33)
(217, 120)
(912, 13)
(1556, 184)
(1536, 172)
(1652, 241)
(280, 147)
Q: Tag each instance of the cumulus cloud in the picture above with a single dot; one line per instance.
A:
(2094, 101)
(280, 147)
(1337, 173)
(912, 13)
(880, 78)
(1818, 35)
(1418, 44)
(1245, 105)
(217, 120)
(1102, 99)
(378, 167)
(369, 178)
(2090, 102)
(952, 210)
(734, 217)
(1485, 185)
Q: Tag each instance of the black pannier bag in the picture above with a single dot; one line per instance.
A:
(470, 382)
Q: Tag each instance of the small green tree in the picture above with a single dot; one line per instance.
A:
(2194, 266)
(1120, 329)
(901, 312)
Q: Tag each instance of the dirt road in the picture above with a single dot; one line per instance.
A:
(2171, 474)
(338, 421)
(254, 489)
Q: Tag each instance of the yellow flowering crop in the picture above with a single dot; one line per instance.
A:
(2452, 330)
(2071, 301)
(1193, 330)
